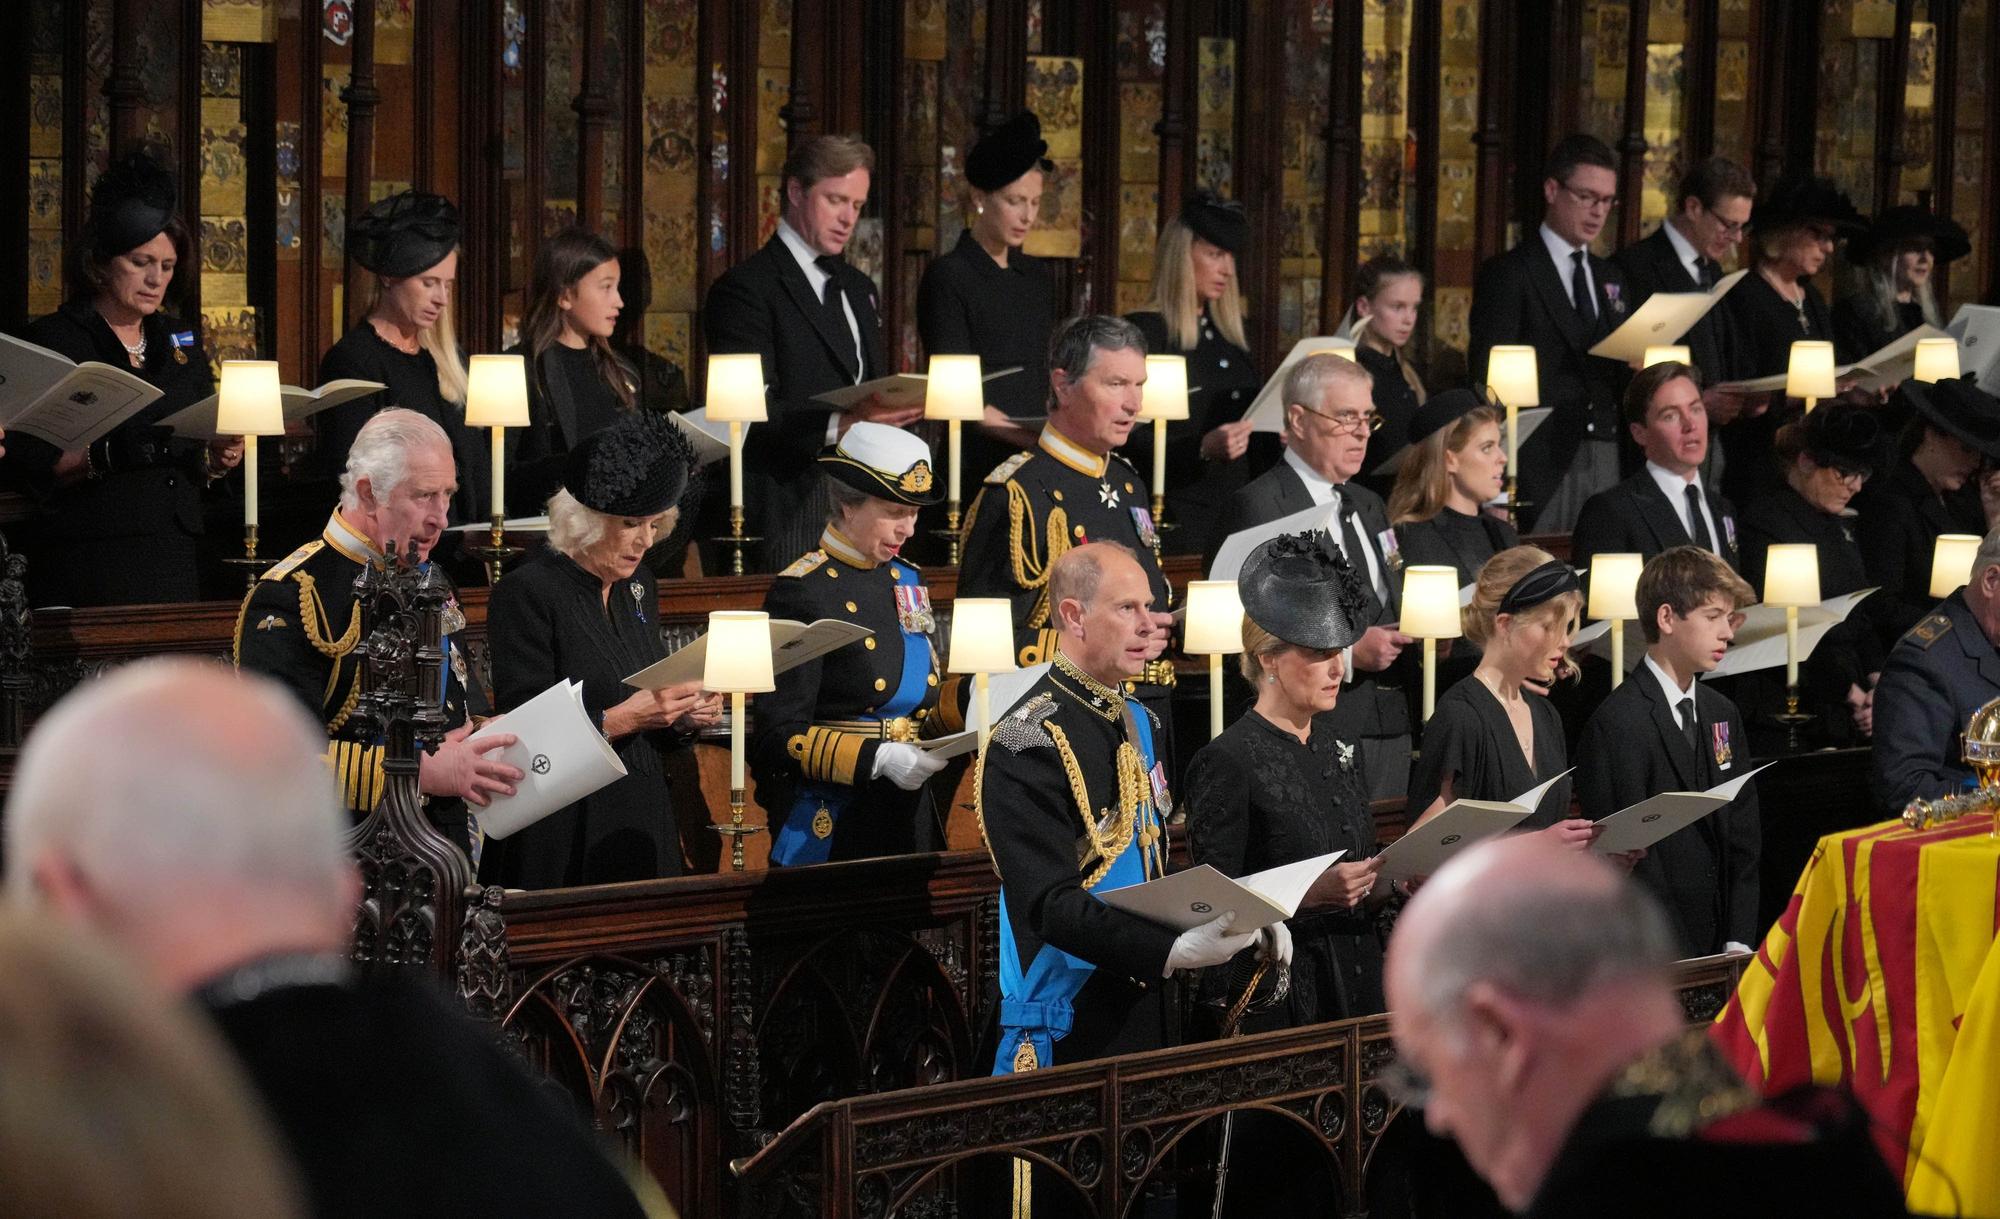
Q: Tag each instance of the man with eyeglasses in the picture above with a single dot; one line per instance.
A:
(1329, 415)
(1551, 293)
(1533, 1008)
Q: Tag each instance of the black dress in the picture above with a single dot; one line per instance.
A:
(1395, 400)
(1901, 518)
(1453, 539)
(546, 623)
(128, 535)
(568, 400)
(1858, 332)
(1471, 739)
(1222, 381)
(1766, 326)
(967, 304)
(364, 355)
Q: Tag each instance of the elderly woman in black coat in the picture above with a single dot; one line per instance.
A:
(586, 609)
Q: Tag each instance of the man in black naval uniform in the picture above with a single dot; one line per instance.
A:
(1071, 489)
(302, 623)
(835, 753)
(1937, 675)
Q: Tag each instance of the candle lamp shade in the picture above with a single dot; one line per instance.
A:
(1214, 618)
(1810, 372)
(1937, 360)
(1512, 377)
(1791, 575)
(249, 402)
(496, 391)
(954, 389)
(982, 636)
(1614, 584)
(736, 388)
(739, 653)
(1672, 354)
(1430, 602)
(1951, 562)
(1165, 395)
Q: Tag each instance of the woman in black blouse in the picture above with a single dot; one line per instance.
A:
(586, 609)
(1896, 261)
(1455, 465)
(1388, 296)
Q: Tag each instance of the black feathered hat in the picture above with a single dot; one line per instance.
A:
(1905, 225)
(1220, 222)
(636, 467)
(1959, 409)
(404, 234)
(1007, 152)
(1804, 200)
(1299, 587)
(1842, 435)
(133, 202)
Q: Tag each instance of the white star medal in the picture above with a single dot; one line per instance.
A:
(1106, 495)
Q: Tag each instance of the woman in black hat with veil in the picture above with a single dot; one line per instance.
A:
(121, 518)
(1896, 262)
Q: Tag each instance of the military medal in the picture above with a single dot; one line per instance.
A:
(181, 340)
(1106, 496)
(822, 823)
(1142, 520)
(1392, 554)
(1025, 1058)
(1163, 799)
(454, 617)
(1721, 736)
(913, 609)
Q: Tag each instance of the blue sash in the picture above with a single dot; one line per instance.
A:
(796, 843)
(1036, 1004)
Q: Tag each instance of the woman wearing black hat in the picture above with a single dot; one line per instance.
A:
(1454, 466)
(584, 608)
(1930, 488)
(1895, 263)
(837, 765)
(406, 338)
(1197, 312)
(120, 520)
(1826, 457)
(987, 298)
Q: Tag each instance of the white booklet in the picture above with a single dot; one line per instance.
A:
(896, 389)
(1760, 641)
(1267, 410)
(1878, 369)
(560, 753)
(1189, 899)
(1662, 320)
(1458, 825)
(710, 440)
(954, 745)
(1652, 819)
(197, 422)
(792, 644)
(51, 397)
(1977, 329)
(1237, 546)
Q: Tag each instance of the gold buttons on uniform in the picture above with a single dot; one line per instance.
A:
(832, 574)
(1079, 531)
(931, 680)
(851, 607)
(1128, 488)
(869, 643)
(881, 683)
(1056, 494)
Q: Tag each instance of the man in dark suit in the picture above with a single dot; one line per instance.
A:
(209, 848)
(1685, 254)
(1551, 293)
(813, 318)
(1936, 676)
(1665, 504)
(1662, 730)
(1329, 414)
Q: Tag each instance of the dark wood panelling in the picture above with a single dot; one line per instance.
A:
(362, 97)
(1340, 236)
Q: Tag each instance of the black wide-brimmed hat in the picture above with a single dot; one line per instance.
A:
(1959, 409)
(1007, 152)
(1298, 587)
(1844, 435)
(886, 462)
(636, 467)
(404, 234)
(1220, 222)
(1805, 200)
(1441, 411)
(133, 202)
(1907, 224)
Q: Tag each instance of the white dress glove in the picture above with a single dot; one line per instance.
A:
(1209, 944)
(904, 765)
(1274, 944)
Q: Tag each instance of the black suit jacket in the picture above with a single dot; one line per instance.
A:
(1651, 265)
(765, 304)
(1705, 875)
(1636, 516)
(1900, 520)
(1519, 298)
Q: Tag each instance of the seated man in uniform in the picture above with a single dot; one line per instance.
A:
(207, 845)
(1536, 1024)
(1072, 801)
(301, 624)
(1937, 675)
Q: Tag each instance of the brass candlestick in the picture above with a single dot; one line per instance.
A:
(1159, 523)
(952, 515)
(496, 552)
(251, 564)
(736, 829)
(736, 539)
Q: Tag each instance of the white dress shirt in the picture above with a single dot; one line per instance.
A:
(1674, 487)
(1685, 251)
(1325, 491)
(1674, 693)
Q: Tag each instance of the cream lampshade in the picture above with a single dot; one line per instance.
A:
(1673, 354)
(1165, 395)
(982, 643)
(1810, 373)
(1951, 562)
(736, 388)
(1791, 575)
(1512, 377)
(1937, 360)
(496, 391)
(1431, 613)
(1214, 629)
(1614, 582)
(953, 390)
(249, 404)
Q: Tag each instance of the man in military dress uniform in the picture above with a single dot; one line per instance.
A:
(301, 624)
(836, 755)
(1940, 672)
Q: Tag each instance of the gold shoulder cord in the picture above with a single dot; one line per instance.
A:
(1108, 845)
(312, 616)
(1031, 562)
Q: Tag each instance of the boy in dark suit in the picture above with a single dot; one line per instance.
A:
(1663, 731)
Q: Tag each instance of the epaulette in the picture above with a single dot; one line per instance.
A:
(1006, 469)
(1021, 729)
(1930, 630)
(290, 563)
(805, 563)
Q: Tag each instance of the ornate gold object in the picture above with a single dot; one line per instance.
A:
(1981, 751)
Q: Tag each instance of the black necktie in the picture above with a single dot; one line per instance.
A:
(1697, 525)
(1357, 550)
(1710, 272)
(1579, 290)
(832, 299)
(1690, 727)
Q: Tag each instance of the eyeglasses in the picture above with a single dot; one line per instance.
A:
(1850, 474)
(1591, 199)
(1358, 422)
(1728, 228)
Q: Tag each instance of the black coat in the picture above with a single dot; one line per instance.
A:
(1519, 298)
(1455, 540)
(1850, 651)
(1635, 517)
(1470, 739)
(547, 621)
(1900, 520)
(393, 1103)
(568, 399)
(1631, 750)
(1652, 264)
(765, 304)
(1222, 381)
(1935, 678)
(1765, 326)
(128, 535)
(363, 355)
(1859, 333)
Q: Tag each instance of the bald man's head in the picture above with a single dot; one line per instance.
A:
(1101, 600)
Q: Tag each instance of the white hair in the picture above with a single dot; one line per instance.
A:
(171, 780)
(1988, 554)
(574, 528)
(381, 452)
(1307, 383)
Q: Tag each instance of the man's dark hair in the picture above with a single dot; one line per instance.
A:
(1714, 180)
(1647, 382)
(1684, 579)
(1576, 150)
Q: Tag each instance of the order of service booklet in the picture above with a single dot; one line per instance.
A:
(1193, 897)
(561, 755)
